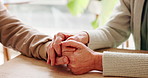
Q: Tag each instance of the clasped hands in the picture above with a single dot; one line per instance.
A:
(72, 50)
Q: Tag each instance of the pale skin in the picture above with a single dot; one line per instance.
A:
(74, 52)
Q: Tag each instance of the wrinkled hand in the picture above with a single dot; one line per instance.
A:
(52, 56)
(83, 59)
(55, 50)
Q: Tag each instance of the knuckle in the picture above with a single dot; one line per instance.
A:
(58, 40)
(59, 33)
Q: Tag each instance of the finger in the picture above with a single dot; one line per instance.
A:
(67, 35)
(68, 49)
(73, 38)
(60, 34)
(62, 60)
(72, 43)
(57, 46)
(52, 56)
(58, 38)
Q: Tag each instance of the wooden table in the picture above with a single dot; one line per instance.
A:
(25, 67)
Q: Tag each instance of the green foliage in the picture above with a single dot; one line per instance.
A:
(95, 23)
(107, 8)
(77, 6)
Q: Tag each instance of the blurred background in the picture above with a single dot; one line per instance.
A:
(52, 16)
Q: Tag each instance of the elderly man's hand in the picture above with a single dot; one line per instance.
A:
(55, 50)
(83, 59)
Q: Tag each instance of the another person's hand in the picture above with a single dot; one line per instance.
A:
(53, 58)
(54, 49)
(83, 59)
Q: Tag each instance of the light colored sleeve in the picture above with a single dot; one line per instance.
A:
(116, 30)
(125, 64)
(23, 38)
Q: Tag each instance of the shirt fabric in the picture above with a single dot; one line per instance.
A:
(125, 20)
(144, 27)
(20, 37)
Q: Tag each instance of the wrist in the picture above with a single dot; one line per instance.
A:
(98, 61)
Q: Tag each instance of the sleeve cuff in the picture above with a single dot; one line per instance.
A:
(43, 51)
(97, 39)
(125, 64)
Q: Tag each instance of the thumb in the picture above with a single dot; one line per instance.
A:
(62, 60)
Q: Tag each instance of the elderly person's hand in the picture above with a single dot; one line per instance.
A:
(83, 59)
(52, 56)
(55, 50)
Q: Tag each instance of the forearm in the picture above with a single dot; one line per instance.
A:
(115, 31)
(20, 37)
